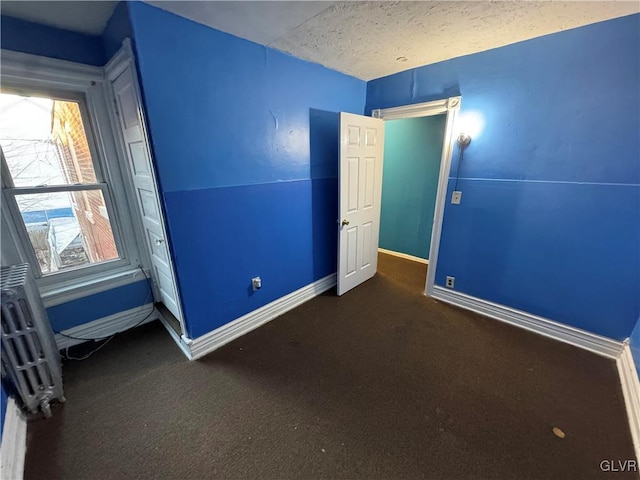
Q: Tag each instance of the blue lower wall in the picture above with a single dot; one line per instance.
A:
(99, 305)
(564, 251)
(412, 154)
(550, 216)
(284, 232)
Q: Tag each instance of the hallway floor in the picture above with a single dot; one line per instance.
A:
(380, 383)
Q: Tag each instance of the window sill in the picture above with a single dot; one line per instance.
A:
(62, 293)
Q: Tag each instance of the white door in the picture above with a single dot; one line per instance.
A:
(361, 150)
(129, 114)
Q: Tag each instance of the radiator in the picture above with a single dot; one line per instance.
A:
(29, 354)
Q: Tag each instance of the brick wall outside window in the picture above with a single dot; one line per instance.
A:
(75, 156)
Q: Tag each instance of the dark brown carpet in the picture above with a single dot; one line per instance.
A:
(381, 383)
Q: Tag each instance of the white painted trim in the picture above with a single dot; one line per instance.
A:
(122, 60)
(55, 72)
(604, 346)
(425, 109)
(406, 256)
(441, 195)
(449, 106)
(32, 73)
(217, 338)
(14, 442)
(107, 326)
(180, 340)
(631, 391)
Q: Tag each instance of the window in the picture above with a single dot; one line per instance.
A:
(63, 194)
(52, 179)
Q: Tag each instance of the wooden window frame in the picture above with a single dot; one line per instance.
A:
(58, 79)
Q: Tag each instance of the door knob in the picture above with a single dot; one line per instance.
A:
(159, 241)
(345, 222)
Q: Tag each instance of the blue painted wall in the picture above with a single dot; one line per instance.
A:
(27, 37)
(550, 215)
(635, 345)
(99, 305)
(551, 189)
(117, 29)
(245, 141)
(412, 151)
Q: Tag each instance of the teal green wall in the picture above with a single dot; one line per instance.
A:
(412, 152)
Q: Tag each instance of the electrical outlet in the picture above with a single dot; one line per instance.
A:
(456, 197)
(256, 283)
(451, 281)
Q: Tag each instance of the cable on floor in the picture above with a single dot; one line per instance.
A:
(109, 337)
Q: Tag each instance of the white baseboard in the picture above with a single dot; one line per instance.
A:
(600, 345)
(404, 255)
(182, 341)
(14, 442)
(217, 338)
(106, 326)
(631, 391)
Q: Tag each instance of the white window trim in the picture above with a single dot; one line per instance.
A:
(42, 73)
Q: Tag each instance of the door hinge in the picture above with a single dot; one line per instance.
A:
(115, 106)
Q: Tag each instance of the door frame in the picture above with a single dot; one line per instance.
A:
(121, 60)
(449, 106)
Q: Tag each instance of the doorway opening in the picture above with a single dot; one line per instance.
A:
(417, 160)
(412, 157)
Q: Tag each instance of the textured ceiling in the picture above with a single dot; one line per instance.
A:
(84, 17)
(363, 39)
(261, 22)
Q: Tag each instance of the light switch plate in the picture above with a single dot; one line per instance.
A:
(456, 197)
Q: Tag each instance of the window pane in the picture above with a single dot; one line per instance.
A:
(68, 229)
(44, 141)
